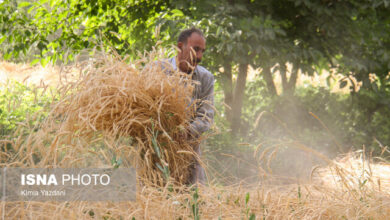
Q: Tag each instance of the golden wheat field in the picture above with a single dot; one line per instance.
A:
(339, 198)
(107, 99)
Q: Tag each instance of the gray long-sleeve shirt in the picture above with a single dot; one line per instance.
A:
(204, 96)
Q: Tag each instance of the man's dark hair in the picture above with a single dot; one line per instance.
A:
(184, 35)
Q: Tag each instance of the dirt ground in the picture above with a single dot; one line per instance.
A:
(27, 73)
(49, 74)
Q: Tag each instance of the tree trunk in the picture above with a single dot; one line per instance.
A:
(239, 91)
(269, 80)
(364, 77)
(283, 75)
(227, 86)
(293, 79)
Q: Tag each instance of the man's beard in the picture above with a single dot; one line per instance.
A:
(192, 69)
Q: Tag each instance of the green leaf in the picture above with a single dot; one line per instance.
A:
(27, 33)
(45, 61)
(7, 56)
(155, 146)
(2, 39)
(52, 2)
(252, 217)
(24, 4)
(177, 13)
(35, 61)
(247, 198)
(159, 167)
(31, 9)
(113, 160)
(41, 45)
(166, 172)
(219, 30)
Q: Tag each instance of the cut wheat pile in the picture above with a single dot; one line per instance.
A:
(146, 100)
(138, 110)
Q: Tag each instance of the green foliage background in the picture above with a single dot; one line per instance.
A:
(348, 37)
(20, 103)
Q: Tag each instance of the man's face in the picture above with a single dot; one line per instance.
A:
(191, 52)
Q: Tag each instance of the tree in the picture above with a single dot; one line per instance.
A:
(310, 35)
(269, 34)
(60, 29)
(237, 36)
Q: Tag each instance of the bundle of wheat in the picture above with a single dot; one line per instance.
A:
(152, 105)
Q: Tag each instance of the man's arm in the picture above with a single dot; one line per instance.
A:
(205, 112)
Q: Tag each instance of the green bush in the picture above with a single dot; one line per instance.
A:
(22, 105)
(331, 123)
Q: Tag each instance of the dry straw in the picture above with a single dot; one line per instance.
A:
(145, 100)
(138, 114)
(315, 200)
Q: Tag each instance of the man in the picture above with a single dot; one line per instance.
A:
(192, 45)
